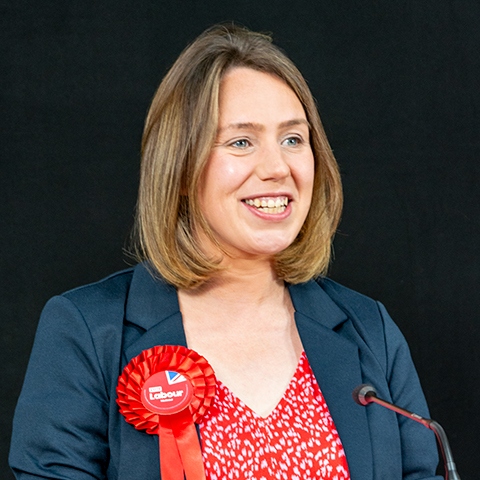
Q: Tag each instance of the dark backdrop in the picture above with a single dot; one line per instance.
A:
(397, 86)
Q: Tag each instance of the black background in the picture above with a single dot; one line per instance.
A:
(397, 84)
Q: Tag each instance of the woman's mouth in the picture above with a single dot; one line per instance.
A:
(271, 205)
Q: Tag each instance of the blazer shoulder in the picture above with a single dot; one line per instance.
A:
(96, 311)
(101, 304)
(111, 289)
(349, 300)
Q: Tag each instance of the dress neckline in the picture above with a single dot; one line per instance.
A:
(278, 407)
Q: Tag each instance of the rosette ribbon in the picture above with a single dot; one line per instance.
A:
(164, 391)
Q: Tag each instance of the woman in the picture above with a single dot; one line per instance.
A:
(239, 199)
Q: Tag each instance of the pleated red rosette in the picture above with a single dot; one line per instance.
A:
(163, 391)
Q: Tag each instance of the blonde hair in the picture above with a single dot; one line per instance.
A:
(179, 134)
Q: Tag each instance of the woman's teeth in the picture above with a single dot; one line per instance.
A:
(269, 205)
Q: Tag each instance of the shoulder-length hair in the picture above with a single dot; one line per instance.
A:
(179, 135)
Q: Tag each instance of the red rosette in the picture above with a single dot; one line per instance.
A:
(158, 359)
(169, 411)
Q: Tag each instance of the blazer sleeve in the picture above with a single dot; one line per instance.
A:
(418, 444)
(61, 420)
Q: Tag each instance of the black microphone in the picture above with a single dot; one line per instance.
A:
(366, 394)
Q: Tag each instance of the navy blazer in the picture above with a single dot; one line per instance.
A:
(67, 424)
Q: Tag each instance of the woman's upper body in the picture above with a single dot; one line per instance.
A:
(68, 426)
(239, 199)
(239, 193)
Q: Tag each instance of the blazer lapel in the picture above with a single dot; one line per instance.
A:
(154, 311)
(336, 365)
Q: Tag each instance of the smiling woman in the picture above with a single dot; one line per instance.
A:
(178, 142)
(228, 320)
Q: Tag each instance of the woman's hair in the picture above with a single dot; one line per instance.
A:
(180, 132)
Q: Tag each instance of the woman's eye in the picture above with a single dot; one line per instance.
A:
(242, 143)
(292, 141)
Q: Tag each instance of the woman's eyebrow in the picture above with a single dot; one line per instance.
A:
(294, 122)
(259, 127)
(243, 126)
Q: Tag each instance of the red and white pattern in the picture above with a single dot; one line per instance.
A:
(297, 441)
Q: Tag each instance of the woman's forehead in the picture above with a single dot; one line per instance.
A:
(249, 98)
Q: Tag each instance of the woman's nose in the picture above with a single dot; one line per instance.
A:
(272, 164)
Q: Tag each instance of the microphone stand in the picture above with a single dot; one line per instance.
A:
(366, 394)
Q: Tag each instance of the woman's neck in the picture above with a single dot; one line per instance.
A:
(245, 283)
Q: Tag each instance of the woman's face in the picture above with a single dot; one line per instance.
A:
(257, 186)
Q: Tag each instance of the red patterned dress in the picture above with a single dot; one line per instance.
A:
(297, 441)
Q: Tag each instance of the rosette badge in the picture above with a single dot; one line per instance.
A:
(163, 391)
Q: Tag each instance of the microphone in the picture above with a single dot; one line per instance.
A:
(366, 394)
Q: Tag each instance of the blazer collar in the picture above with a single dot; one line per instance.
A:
(310, 300)
(152, 300)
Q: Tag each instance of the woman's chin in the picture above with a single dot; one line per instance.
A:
(261, 251)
